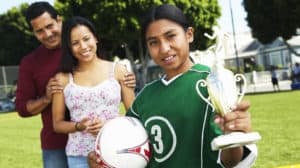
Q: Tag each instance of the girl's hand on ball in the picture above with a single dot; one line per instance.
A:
(93, 160)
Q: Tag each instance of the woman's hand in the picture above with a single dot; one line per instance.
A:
(53, 86)
(129, 80)
(82, 125)
(94, 126)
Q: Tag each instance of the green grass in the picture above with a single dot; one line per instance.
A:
(19, 142)
(275, 116)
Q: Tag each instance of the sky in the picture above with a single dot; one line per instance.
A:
(6, 5)
(239, 16)
(224, 21)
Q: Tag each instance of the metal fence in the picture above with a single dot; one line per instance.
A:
(8, 79)
(8, 75)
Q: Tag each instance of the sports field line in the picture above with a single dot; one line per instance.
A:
(290, 166)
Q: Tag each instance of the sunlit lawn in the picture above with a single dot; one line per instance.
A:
(19, 141)
(276, 116)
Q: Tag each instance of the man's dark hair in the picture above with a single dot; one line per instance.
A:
(36, 9)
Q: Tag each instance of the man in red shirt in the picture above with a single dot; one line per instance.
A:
(36, 83)
(35, 75)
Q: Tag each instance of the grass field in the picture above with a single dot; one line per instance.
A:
(19, 141)
(276, 116)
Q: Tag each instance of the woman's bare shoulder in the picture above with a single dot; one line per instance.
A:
(63, 77)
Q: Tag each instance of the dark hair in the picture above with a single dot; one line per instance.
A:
(37, 9)
(165, 11)
(69, 62)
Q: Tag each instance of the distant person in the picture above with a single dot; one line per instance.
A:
(254, 79)
(36, 83)
(296, 73)
(274, 78)
(92, 90)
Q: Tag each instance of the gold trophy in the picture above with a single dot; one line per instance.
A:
(223, 93)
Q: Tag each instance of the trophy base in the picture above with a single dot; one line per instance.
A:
(234, 139)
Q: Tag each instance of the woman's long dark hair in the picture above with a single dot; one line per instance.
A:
(69, 61)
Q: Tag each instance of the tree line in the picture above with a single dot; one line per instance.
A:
(117, 23)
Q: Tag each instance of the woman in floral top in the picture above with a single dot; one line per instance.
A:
(92, 90)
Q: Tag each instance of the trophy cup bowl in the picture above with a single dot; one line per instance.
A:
(222, 90)
(223, 94)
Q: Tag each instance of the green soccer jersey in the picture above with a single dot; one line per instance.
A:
(179, 123)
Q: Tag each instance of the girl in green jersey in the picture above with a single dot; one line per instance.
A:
(180, 124)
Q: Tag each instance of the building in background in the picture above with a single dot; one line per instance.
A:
(253, 55)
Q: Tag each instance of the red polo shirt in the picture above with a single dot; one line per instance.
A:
(34, 72)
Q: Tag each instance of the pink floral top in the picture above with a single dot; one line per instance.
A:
(100, 101)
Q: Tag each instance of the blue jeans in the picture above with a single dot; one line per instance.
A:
(55, 158)
(77, 162)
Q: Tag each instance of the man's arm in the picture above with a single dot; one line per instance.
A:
(27, 102)
(37, 106)
(26, 92)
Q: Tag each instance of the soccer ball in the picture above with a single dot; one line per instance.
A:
(123, 143)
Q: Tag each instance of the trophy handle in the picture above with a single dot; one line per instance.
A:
(241, 78)
(203, 83)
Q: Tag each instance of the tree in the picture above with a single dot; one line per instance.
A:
(118, 22)
(270, 19)
(16, 37)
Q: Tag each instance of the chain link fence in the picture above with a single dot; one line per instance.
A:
(8, 81)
